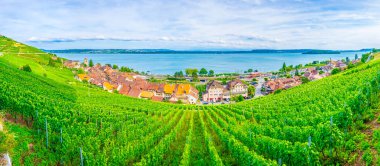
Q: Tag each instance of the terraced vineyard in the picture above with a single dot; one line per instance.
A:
(74, 123)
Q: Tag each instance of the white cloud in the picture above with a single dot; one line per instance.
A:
(185, 24)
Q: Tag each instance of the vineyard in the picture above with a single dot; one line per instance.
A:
(73, 123)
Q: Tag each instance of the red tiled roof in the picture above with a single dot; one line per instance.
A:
(134, 92)
(157, 98)
(125, 89)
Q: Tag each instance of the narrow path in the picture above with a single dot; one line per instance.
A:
(4, 159)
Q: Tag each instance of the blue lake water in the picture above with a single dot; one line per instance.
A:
(220, 63)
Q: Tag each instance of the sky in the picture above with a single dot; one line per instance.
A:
(193, 24)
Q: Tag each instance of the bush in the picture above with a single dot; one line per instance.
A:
(367, 157)
(304, 80)
(277, 91)
(80, 71)
(238, 98)
(26, 68)
(335, 71)
(7, 142)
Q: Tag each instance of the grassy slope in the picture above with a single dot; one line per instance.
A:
(63, 78)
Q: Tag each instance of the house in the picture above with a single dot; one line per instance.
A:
(326, 68)
(255, 75)
(157, 98)
(281, 83)
(186, 93)
(146, 94)
(169, 90)
(214, 92)
(82, 77)
(235, 88)
(125, 88)
(108, 87)
(72, 64)
(134, 92)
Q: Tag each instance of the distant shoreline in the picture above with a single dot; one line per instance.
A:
(164, 51)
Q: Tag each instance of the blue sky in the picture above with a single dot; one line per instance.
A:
(193, 24)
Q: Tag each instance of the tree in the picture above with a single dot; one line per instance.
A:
(251, 91)
(91, 63)
(203, 72)
(335, 71)
(238, 98)
(190, 71)
(283, 69)
(297, 72)
(26, 68)
(250, 70)
(80, 71)
(304, 80)
(125, 69)
(347, 60)
(195, 76)
(211, 73)
(115, 67)
(178, 74)
(356, 56)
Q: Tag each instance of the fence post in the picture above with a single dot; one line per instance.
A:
(81, 157)
(47, 134)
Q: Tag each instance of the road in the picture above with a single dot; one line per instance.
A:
(260, 83)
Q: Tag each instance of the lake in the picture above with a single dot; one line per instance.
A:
(220, 63)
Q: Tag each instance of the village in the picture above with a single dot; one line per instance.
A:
(237, 88)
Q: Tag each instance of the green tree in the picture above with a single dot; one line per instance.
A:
(238, 98)
(347, 60)
(203, 72)
(190, 71)
(250, 70)
(211, 73)
(125, 69)
(195, 76)
(335, 71)
(91, 63)
(115, 67)
(304, 80)
(365, 57)
(80, 71)
(297, 72)
(356, 56)
(26, 68)
(283, 69)
(178, 74)
(251, 91)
